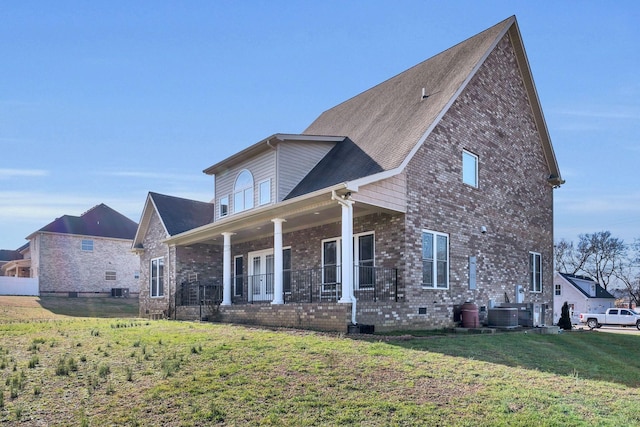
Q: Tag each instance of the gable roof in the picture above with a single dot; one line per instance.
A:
(99, 221)
(176, 215)
(582, 282)
(387, 123)
(9, 255)
(179, 215)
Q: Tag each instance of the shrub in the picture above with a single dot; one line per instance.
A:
(565, 319)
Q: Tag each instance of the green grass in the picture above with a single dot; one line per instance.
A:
(193, 374)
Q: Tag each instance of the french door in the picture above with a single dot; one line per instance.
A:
(261, 275)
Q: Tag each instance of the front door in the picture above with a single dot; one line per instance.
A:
(261, 275)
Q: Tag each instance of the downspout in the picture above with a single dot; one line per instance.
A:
(340, 200)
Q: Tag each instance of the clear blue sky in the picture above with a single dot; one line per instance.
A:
(104, 101)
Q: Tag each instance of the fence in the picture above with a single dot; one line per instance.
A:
(19, 286)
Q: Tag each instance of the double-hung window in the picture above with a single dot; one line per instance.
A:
(156, 277)
(243, 192)
(535, 272)
(330, 262)
(223, 206)
(435, 260)
(265, 192)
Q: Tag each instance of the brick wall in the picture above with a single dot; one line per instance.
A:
(492, 119)
(323, 317)
(154, 248)
(62, 266)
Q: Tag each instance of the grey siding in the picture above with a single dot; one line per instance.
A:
(295, 160)
(261, 167)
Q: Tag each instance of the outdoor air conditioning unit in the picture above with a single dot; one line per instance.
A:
(120, 292)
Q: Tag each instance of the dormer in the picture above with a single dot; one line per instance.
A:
(264, 173)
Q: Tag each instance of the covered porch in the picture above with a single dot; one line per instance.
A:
(255, 265)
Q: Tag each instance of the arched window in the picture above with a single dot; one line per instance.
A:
(243, 192)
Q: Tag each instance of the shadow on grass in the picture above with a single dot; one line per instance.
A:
(578, 355)
(91, 307)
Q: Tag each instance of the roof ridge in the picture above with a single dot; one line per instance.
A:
(455, 46)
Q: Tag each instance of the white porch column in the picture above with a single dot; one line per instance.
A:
(347, 250)
(278, 289)
(226, 269)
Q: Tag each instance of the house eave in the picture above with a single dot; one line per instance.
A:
(304, 203)
(268, 144)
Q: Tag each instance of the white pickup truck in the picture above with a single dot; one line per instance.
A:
(613, 316)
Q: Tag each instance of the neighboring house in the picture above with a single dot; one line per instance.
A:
(392, 209)
(582, 294)
(15, 263)
(89, 255)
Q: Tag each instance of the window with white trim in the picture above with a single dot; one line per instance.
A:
(243, 192)
(87, 245)
(535, 272)
(109, 275)
(558, 289)
(156, 277)
(330, 261)
(363, 256)
(223, 206)
(469, 168)
(265, 191)
(435, 260)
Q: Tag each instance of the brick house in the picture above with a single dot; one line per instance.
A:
(15, 263)
(89, 255)
(393, 208)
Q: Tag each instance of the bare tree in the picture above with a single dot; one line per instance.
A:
(628, 272)
(604, 255)
(597, 255)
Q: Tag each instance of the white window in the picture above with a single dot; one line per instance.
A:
(363, 254)
(535, 272)
(156, 277)
(243, 192)
(330, 261)
(265, 192)
(87, 245)
(109, 275)
(435, 260)
(136, 274)
(558, 289)
(364, 250)
(469, 168)
(223, 206)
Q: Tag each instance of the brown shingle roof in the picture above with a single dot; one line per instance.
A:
(385, 123)
(99, 221)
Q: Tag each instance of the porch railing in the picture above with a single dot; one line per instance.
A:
(196, 293)
(318, 285)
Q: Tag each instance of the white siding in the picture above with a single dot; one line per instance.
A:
(295, 161)
(390, 193)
